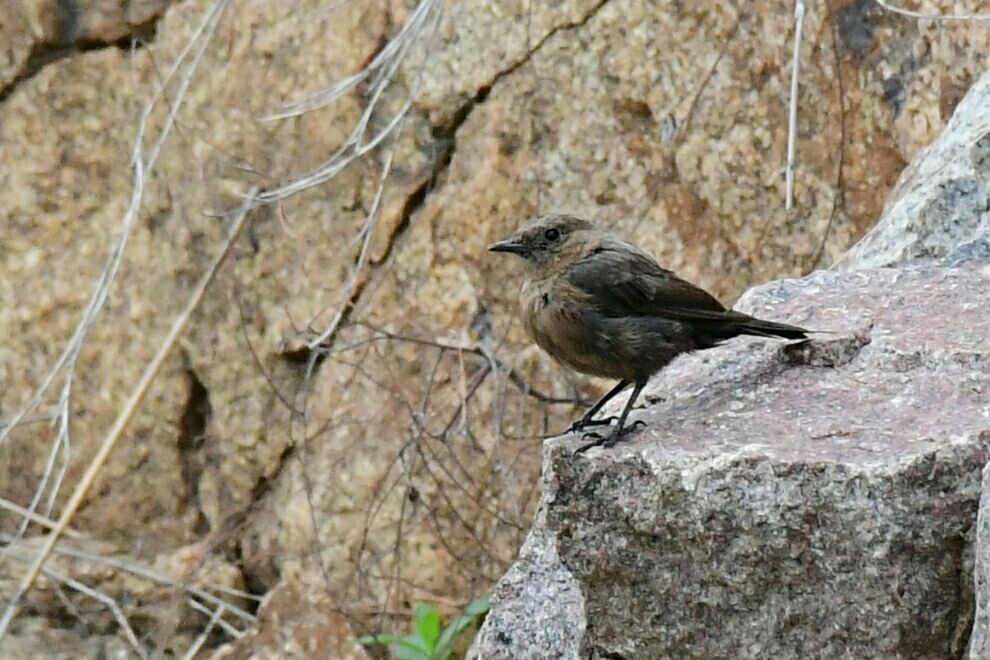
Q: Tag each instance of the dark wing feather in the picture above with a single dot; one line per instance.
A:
(623, 281)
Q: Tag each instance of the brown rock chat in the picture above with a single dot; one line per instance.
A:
(604, 307)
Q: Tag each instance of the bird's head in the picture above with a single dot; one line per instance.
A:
(547, 242)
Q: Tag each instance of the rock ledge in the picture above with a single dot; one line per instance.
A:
(784, 501)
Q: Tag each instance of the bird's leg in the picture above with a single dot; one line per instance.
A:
(616, 434)
(588, 418)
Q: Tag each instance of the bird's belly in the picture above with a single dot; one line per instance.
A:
(594, 345)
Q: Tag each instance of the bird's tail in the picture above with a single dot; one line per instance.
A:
(761, 328)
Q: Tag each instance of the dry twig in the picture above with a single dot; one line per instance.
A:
(792, 113)
(933, 17)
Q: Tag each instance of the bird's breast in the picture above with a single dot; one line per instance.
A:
(558, 319)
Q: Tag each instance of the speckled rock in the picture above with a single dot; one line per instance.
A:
(41, 637)
(683, 147)
(297, 620)
(546, 616)
(157, 609)
(942, 200)
(66, 182)
(979, 646)
(799, 500)
(34, 33)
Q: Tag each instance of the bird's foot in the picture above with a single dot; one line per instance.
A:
(583, 423)
(610, 439)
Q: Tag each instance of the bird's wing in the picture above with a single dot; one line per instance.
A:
(622, 280)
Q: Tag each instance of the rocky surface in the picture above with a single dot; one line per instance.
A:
(152, 595)
(979, 646)
(785, 501)
(683, 147)
(942, 200)
(40, 637)
(297, 620)
(525, 106)
(541, 607)
(35, 33)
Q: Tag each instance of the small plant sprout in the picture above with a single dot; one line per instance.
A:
(427, 641)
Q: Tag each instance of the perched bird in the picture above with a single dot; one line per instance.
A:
(604, 307)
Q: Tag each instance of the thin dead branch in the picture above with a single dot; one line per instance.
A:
(99, 596)
(142, 165)
(116, 431)
(793, 111)
(932, 17)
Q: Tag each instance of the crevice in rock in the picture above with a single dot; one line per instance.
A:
(460, 115)
(254, 584)
(65, 45)
(267, 482)
(608, 655)
(445, 141)
(830, 352)
(192, 436)
(964, 612)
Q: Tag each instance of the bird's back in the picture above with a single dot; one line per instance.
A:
(614, 312)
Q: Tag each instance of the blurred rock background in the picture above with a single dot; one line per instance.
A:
(409, 470)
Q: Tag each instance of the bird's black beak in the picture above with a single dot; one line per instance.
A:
(508, 245)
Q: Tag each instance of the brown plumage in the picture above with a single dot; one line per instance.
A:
(604, 307)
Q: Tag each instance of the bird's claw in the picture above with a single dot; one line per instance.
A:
(598, 441)
(610, 440)
(582, 423)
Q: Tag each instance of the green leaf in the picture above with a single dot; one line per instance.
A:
(475, 608)
(402, 653)
(368, 640)
(428, 642)
(451, 631)
(411, 647)
(428, 626)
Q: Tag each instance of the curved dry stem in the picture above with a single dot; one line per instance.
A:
(932, 17)
(137, 396)
(107, 601)
(792, 112)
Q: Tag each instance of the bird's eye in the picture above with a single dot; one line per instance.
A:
(551, 234)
